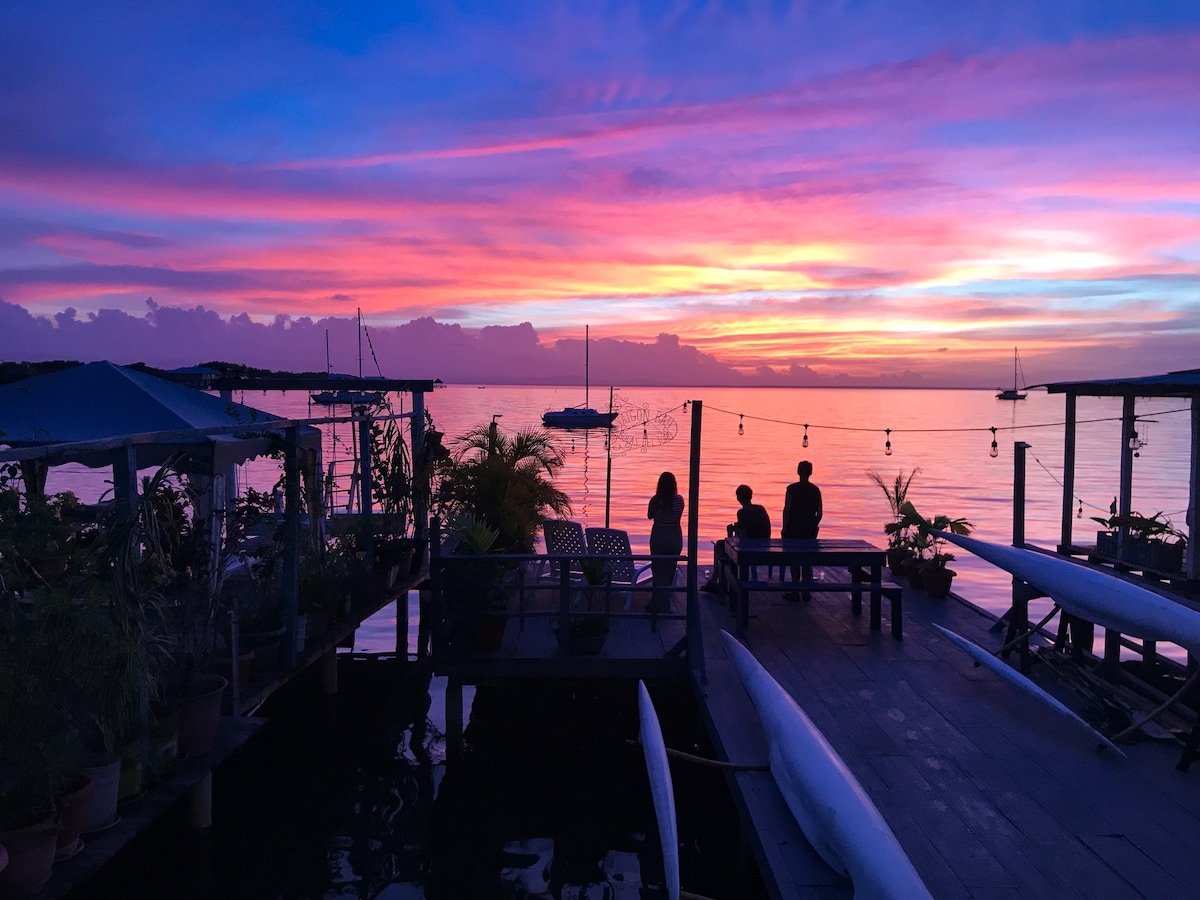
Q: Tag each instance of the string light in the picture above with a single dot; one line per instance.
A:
(741, 427)
(685, 405)
(804, 443)
(1079, 512)
(887, 445)
(1134, 443)
(995, 451)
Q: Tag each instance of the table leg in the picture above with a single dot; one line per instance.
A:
(877, 599)
(856, 593)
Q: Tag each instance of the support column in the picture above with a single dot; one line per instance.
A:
(329, 673)
(454, 719)
(1066, 538)
(1125, 495)
(695, 649)
(200, 803)
(1020, 590)
(291, 543)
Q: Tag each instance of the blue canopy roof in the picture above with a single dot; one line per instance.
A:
(101, 401)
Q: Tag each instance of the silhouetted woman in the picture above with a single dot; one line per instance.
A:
(666, 537)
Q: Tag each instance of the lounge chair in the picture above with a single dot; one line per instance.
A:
(622, 570)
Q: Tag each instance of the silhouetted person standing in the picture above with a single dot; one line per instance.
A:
(802, 512)
(666, 537)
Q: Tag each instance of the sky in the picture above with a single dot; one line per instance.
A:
(771, 192)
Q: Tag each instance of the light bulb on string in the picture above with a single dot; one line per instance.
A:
(1079, 512)
(887, 444)
(995, 451)
(685, 405)
(1134, 443)
(741, 427)
(804, 443)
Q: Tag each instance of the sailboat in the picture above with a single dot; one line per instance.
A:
(1014, 394)
(580, 416)
(345, 396)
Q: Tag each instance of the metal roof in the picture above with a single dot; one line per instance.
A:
(1185, 383)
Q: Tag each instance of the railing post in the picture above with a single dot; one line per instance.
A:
(695, 646)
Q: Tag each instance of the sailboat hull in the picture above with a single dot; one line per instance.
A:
(578, 417)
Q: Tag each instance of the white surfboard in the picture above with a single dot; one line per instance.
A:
(661, 790)
(1093, 594)
(1012, 676)
(833, 810)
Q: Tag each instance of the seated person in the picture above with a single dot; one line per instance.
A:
(753, 521)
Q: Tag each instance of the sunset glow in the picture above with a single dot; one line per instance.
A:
(778, 185)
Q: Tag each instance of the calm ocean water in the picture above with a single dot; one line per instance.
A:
(944, 433)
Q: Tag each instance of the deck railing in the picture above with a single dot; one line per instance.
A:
(474, 598)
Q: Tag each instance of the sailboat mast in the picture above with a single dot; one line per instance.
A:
(360, 343)
(586, 366)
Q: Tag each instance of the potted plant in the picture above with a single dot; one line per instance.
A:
(935, 576)
(587, 632)
(475, 587)
(1147, 541)
(900, 544)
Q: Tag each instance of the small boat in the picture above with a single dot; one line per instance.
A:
(580, 416)
(829, 804)
(347, 396)
(1014, 394)
(1093, 594)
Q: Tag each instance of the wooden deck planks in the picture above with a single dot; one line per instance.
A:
(991, 795)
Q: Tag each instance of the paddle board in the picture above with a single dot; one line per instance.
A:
(1093, 594)
(661, 790)
(833, 810)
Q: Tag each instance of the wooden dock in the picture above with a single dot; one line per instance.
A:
(990, 794)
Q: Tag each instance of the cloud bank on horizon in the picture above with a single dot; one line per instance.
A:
(790, 191)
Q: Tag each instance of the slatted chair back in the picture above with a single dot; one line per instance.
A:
(623, 571)
(562, 537)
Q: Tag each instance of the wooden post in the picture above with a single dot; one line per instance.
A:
(125, 483)
(454, 719)
(417, 430)
(291, 543)
(1125, 496)
(1020, 591)
(329, 673)
(1066, 539)
(695, 648)
(366, 491)
(1191, 562)
(200, 803)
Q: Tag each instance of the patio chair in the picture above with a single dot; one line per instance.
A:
(562, 536)
(623, 572)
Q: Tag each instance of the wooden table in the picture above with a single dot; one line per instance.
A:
(863, 561)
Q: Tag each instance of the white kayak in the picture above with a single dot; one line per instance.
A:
(831, 807)
(1012, 676)
(1093, 594)
(661, 790)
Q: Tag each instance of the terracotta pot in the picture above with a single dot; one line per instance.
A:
(200, 714)
(73, 808)
(102, 805)
(912, 571)
(895, 559)
(30, 856)
(222, 664)
(937, 582)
